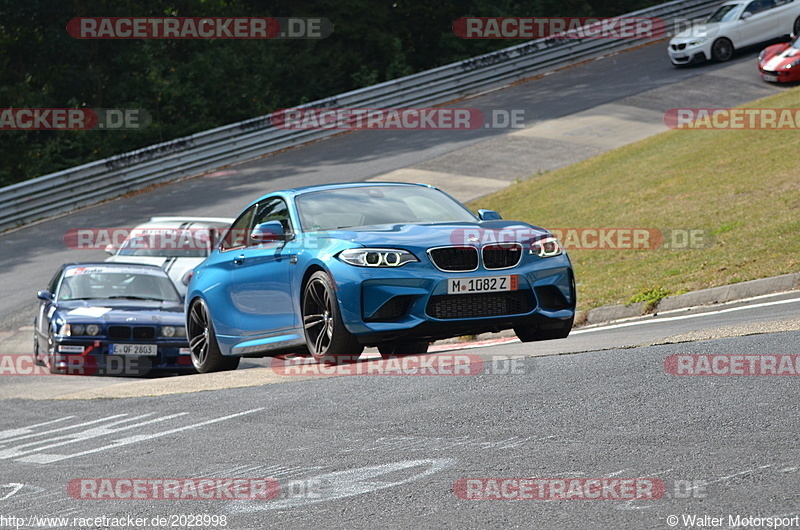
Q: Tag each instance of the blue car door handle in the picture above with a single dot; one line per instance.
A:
(238, 260)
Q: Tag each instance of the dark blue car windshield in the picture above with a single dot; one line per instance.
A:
(377, 205)
(93, 283)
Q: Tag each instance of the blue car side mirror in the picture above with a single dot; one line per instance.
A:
(488, 215)
(268, 232)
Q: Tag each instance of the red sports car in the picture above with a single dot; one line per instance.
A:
(780, 63)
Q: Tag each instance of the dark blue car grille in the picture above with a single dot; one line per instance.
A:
(455, 259)
(131, 332)
(478, 305)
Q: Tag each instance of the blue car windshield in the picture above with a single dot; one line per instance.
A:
(723, 14)
(378, 205)
(93, 283)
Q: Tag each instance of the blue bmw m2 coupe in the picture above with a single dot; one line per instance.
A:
(331, 269)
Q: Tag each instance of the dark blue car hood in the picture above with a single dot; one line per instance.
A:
(121, 311)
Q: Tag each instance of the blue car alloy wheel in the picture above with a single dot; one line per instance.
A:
(203, 345)
(329, 270)
(326, 336)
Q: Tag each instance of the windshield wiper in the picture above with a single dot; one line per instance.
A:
(132, 297)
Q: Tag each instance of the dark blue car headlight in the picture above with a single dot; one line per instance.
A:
(173, 331)
(376, 257)
(546, 248)
(71, 330)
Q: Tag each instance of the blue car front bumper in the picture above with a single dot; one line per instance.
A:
(412, 302)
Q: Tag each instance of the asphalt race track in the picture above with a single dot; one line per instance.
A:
(359, 451)
(600, 414)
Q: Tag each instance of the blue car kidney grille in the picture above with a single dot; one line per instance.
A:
(455, 258)
(478, 305)
(502, 256)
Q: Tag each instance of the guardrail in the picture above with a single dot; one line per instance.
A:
(192, 155)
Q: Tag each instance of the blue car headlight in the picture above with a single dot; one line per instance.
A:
(376, 257)
(546, 248)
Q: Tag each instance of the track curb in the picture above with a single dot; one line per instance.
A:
(714, 295)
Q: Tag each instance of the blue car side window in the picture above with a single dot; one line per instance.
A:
(273, 209)
(238, 232)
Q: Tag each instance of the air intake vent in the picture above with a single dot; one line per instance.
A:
(478, 305)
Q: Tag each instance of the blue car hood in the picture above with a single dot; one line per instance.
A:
(423, 236)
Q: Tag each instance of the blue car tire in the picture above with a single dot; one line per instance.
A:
(205, 353)
(326, 336)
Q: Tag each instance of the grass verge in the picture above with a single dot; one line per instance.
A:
(740, 187)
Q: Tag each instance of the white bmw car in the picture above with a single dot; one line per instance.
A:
(176, 244)
(732, 26)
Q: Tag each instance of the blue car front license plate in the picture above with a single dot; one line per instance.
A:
(483, 284)
(134, 349)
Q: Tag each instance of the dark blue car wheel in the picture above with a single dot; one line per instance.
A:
(36, 360)
(51, 355)
(327, 338)
(206, 356)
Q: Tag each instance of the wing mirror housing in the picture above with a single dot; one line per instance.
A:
(268, 232)
(45, 295)
(488, 215)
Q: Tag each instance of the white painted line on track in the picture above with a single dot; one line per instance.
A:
(35, 434)
(54, 457)
(601, 327)
(95, 432)
(10, 433)
(656, 320)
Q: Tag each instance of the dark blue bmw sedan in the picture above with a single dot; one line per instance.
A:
(112, 319)
(332, 269)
